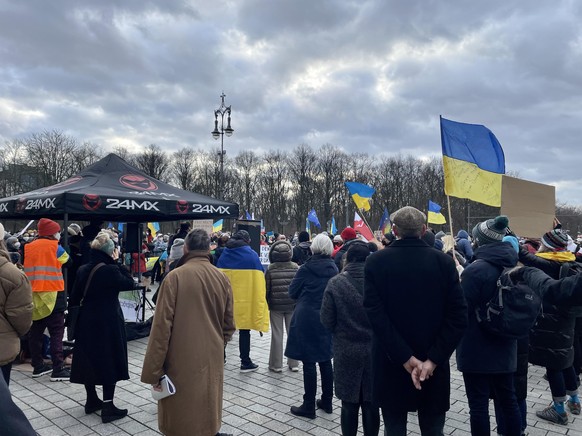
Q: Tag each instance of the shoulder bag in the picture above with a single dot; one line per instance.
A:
(73, 311)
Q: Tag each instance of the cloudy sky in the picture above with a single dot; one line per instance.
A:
(364, 75)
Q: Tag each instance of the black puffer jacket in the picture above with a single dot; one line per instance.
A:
(552, 338)
(279, 276)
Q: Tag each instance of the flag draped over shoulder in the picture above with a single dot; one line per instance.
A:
(473, 162)
(312, 217)
(361, 194)
(361, 227)
(434, 214)
(217, 226)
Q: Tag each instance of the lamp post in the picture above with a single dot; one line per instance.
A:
(219, 133)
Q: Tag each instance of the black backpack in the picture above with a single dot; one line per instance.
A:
(512, 311)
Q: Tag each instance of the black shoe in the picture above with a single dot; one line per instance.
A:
(223, 434)
(41, 370)
(62, 374)
(111, 413)
(93, 406)
(303, 411)
(249, 367)
(327, 408)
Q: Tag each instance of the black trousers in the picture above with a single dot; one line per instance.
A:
(310, 383)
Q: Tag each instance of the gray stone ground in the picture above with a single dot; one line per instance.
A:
(254, 403)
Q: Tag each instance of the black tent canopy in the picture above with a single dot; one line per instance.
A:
(113, 190)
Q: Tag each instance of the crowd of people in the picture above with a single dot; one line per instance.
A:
(380, 319)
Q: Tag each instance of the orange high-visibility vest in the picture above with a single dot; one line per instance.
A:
(42, 267)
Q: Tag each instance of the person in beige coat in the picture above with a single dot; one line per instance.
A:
(15, 310)
(187, 341)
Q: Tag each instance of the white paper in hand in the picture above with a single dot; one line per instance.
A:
(168, 389)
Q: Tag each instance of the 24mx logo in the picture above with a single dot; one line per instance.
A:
(114, 203)
(206, 208)
(41, 203)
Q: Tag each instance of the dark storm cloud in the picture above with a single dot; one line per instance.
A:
(362, 75)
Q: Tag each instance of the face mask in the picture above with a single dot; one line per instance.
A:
(57, 236)
(26, 238)
(116, 240)
(17, 245)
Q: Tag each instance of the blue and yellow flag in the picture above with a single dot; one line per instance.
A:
(385, 225)
(243, 268)
(362, 194)
(473, 162)
(217, 226)
(434, 214)
(154, 228)
(333, 227)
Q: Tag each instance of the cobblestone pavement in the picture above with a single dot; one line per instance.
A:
(255, 403)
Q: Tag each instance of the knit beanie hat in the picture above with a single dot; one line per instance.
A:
(177, 250)
(242, 235)
(555, 240)
(429, 238)
(348, 233)
(513, 241)
(103, 242)
(492, 230)
(47, 227)
(303, 236)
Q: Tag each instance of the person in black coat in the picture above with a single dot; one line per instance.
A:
(552, 338)
(488, 362)
(100, 354)
(309, 341)
(415, 305)
(343, 313)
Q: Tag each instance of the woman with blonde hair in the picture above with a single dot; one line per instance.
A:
(100, 355)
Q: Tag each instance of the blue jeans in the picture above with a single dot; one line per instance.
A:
(562, 382)
(499, 416)
(431, 423)
(478, 388)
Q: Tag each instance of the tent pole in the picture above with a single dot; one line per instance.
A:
(66, 247)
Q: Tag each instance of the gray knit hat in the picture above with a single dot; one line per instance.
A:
(492, 230)
(177, 249)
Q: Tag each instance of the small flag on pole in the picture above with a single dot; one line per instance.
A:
(312, 217)
(385, 225)
(217, 226)
(473, 162)
(248, 215)
(434, 214)
(154, 228)
(361, 227)
(333, 227)
(361, 194)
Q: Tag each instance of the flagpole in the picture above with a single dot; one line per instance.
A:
(451, 224)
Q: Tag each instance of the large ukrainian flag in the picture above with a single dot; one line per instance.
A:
(473, 162)
(245, 272)
(362, 194)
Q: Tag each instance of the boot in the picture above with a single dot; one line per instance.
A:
(111, 413)
(93, 406)
(303, 410)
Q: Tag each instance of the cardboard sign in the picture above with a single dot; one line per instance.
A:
(203, 224)
(265, 255)
(530, 206)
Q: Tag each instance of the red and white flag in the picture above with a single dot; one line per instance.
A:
(361, 227)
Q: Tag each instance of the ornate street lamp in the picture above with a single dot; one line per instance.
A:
(219, 132)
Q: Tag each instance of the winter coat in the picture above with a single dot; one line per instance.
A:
(343, 313)
(279, 276)
(192, 323)
(15, 309)
(552, 338)
(479, 351)
(301, 253)
(309, 340)
(343, 250)
(100, 340)
(242, 266)
(415, 304)
(464, 245)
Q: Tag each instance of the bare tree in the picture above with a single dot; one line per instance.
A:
(247, 171)
(53, 153)
(183, 168)
(154, 162)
